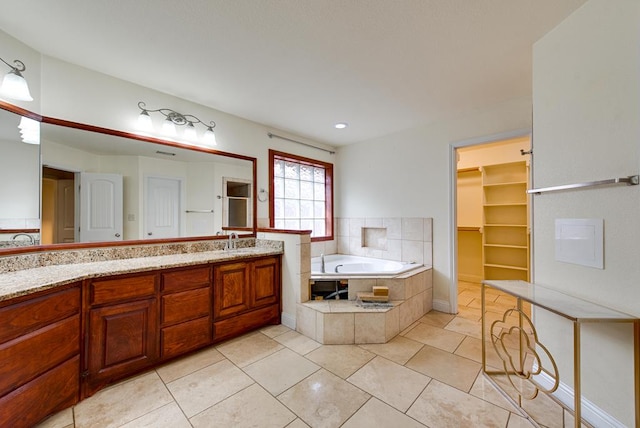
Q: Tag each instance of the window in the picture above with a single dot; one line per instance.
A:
(301, 194)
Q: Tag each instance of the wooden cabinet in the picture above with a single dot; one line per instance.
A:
(40, 355)
(247, 295)
(121, 329)
(185, 310)
(505, 243)
(231, 285)
(64, 345)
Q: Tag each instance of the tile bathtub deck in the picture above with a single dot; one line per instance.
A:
(429, 375)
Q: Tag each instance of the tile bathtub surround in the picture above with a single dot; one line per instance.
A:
(270, 378)
(50, 258)
(406, 239)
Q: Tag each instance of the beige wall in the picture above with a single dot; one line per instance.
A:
(586, 127)
(408, 175)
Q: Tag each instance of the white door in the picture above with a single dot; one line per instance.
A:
(162, 208)
(100, 207)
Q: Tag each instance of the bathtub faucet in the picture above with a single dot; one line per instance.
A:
(322, 263)
(336, 269)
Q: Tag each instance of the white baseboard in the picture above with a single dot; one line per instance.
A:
(441, 306)
(288, 320)
(590, 412)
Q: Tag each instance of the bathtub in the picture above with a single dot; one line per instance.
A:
(346, 266)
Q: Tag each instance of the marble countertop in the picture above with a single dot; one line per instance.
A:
(28, 281)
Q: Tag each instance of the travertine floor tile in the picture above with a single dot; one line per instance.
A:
(465, 326)
(484, 390)
(341, 360)
(453, 370)
(434, 336)
(375, 413)
(438, 319)
(208, 386)
(249, 348)
(324, 400)
(399, 349)
(63, 419)
(443, 406)
(281, 370)
(251, 407)
(297, 424)
(184, 366)
(297, 342)
(516, 421)
(122, 403)
(168, 416)
(469, 313)
(392, 383)
(275, 330)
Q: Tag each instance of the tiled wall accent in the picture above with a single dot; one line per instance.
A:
(39, 259)
(408, 239)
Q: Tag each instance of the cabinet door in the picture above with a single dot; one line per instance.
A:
(231, 289)
(265, 275)
(122, 339)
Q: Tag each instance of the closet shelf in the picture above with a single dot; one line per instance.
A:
(504, 225)
(506, 267)
(522, 247)
(506, 183)
(507, 204)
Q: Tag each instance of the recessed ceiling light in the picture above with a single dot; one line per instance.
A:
(341, 125)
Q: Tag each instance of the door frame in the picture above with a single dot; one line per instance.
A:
(453, 203)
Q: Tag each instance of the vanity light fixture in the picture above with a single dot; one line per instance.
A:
(173, 118)
(341, 125)
(14, 84)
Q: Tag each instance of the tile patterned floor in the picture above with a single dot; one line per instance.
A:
(429, 376)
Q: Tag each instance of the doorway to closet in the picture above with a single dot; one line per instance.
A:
(492, 211)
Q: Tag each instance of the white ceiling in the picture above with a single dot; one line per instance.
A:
(303, 65)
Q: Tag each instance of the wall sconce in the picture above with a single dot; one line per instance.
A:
(173, 118)
(14, 84)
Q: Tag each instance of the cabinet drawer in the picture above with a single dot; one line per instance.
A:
(27, 357)
(186, 279)
(122, 289)
(55, 390)
(22, 318)
(186, 305)
(184, 337)
(239, 324)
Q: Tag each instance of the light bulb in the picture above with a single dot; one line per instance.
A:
(15, 86)
(168, 127)
(29, 130)
(144, 121)
(209, 137)
(190, 132)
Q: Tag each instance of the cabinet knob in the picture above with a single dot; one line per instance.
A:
(117, 235)
(149, 233)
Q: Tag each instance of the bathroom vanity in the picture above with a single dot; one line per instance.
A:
(62, 343)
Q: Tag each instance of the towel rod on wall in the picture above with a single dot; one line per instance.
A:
(300, 142)
(632, 180)
(199, 211)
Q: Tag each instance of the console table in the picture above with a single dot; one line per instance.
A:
(522, 371)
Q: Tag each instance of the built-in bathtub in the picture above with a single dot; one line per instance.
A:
(340, 319)
(346, 266)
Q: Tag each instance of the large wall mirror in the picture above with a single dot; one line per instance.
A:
(84, 185)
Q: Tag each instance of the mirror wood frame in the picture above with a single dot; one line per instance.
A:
(107, 131)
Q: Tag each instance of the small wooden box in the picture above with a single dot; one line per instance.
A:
(370, 297)
(381, 291)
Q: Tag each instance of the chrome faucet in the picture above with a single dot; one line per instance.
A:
(322, 263)
(31, 238)
(231, 243)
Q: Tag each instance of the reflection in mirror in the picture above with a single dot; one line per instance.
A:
(99, 188)
(20, 185)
